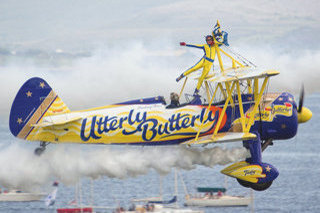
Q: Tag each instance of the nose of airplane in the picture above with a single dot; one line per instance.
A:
(304, 115)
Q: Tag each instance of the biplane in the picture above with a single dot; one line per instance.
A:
(234, 106)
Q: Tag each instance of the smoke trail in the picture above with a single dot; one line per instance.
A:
(110, 75)
(20, 168)
(296, 66)
(116, 74)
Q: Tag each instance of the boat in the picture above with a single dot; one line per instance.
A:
(157, 204)
(169, 206)
(158, 208)
(77, 206)
(20, 196)
(85, 209)
(214, 197)
(75, 210)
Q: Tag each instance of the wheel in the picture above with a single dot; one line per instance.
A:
(38, 151)
(244, 183)
(261, 186)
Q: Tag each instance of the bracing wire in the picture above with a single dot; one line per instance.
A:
(240, 57)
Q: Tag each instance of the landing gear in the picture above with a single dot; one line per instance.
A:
(38, 151)
(259, 174)
(261, 186)
(254, 186)
(244, 183)
(267, 143)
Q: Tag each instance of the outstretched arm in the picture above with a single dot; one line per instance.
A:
(200, 46)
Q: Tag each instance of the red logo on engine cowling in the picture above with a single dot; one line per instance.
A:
(288, 104)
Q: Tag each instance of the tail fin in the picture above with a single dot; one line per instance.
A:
(34, 100)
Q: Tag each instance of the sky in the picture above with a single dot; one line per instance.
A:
(95, 53)
(47, 23)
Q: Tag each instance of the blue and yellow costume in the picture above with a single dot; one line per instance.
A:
(217, 38)
(206, 62)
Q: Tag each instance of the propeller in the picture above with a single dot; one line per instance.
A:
(301, 99)
(304, 114)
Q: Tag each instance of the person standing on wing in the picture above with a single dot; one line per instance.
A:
(206, 61)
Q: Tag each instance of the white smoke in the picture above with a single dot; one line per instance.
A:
(116, 74)
(296, 67)
(20, 168)
(112, 74)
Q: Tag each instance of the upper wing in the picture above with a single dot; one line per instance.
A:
(221, 138)
(241, 74)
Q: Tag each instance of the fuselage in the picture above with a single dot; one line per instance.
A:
(151, 123)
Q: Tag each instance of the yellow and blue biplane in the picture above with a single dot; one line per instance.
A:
(239, 108)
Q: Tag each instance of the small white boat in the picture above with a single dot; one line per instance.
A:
(157, 204)
(216, 197)
(147, 199)
(170, 206)
(19, 196)
(158, 208)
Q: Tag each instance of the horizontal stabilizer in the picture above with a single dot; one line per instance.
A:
(222, 137)
(61, 121)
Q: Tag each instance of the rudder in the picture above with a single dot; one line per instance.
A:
(34, 100)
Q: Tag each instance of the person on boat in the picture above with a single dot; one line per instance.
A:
(211, 195)
(150, 208)
(206, 61)
(120, 210)
(206, 196)
(219, 193)
(174, 98)
(132, 207)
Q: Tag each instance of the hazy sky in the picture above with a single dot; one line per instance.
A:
(67, 23)
(131, 48)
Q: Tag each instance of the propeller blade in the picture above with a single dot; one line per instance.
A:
(301, 99)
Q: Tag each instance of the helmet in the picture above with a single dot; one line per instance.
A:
(209, 40)
(209, 36)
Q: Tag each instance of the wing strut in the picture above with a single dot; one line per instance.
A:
(207, 111)
(184, 84)
(245, 127)
(224, 110)
(240, 106)
(207, 89)
(257, 102)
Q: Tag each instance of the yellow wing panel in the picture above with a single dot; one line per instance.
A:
(222, 138)
(241, 74)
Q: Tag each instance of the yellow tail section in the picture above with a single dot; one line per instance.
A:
(34, 101)
(57, 107)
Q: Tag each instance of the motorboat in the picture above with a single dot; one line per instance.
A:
(157, 204)
(216, 197)
(20, 196)
(158, 208)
